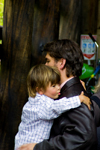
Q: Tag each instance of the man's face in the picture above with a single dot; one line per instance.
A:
(50, 61)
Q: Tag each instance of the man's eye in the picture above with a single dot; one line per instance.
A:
(47, 61)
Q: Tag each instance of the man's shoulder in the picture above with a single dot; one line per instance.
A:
(72, 88)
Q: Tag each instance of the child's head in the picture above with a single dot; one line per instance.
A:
(40, 77)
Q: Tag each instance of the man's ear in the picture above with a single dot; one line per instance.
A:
(62, 63)
(40, 91)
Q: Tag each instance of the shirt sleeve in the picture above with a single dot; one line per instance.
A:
(51, 109)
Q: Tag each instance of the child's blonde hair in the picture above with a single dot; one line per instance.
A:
(40, 76)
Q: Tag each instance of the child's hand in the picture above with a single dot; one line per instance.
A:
(84, 99)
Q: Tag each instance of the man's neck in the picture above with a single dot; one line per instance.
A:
(63, 76)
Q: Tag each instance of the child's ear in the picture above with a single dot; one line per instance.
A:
(40, 91)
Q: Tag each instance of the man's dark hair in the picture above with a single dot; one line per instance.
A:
(68, 50)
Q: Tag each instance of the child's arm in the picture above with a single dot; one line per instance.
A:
(51, 109)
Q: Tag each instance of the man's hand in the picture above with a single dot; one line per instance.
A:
(85, 99)
(29, 146)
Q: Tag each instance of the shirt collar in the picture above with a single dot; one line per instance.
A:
(65, 82)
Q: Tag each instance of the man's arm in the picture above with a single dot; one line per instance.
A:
(29, 146)
(59, 142)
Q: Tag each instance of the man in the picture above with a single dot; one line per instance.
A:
(76, 129)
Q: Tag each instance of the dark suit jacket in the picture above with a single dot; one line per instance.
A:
(74, 129)
(96, 98)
